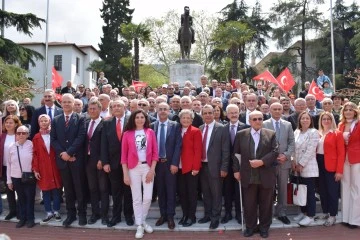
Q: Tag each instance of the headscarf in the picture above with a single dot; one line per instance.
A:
(44, 131)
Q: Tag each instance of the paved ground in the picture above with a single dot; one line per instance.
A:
(53, 233)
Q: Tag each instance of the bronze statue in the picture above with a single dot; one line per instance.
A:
(186, 34)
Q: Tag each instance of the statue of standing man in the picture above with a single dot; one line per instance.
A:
(186, 34)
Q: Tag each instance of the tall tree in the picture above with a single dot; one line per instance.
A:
(355, 42)
(293, 19)
(139, 33)
(113, 47)
(11, 52)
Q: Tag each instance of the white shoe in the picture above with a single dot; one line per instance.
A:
(330, 221)
(306, 221)
(299, 217)
(322, 216)
(148, 228)
(139, 232)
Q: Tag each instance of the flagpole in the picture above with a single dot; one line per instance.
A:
(47, 46)
(332, 45)
(3, 25)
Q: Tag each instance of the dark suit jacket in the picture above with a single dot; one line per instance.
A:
(293, 119)
(34, 120)
(110, 144)
(93, 144)
(197, 121)
(68, 139)
(173, 141)
(267, 151)
(218, 152)
(200, 89)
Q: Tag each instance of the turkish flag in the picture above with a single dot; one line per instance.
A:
(285, 80)
(233, 83)
(315, 90)
(56, 79)
(266, 76)
(138, 85)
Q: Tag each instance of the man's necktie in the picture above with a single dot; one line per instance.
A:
(118, 129)
(67, 121)
(277, 130)
(90, 133)
(232, 134)
(204, 142)
(162, 141)
(50, 113)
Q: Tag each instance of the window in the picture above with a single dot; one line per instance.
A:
(58, 62)
(77, 65)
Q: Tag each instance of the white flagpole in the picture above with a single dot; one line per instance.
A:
(3, 25)
(332, 45)
(47, 46)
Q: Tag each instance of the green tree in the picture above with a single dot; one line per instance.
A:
(98, 66)
(294, 18)
(152, 77)
(139, 33)
(229, 36)
(355, 41)
(11, 52)
(113, 47)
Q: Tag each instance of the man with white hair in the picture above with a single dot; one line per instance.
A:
(186, 103)
(204, 82)
(78, 106)
(300, 106)
(105, 101)
(238, 88)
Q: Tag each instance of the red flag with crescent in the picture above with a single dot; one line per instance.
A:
(266, 76)
(285, 80)
(56, 79)
(138, 85)
(315, 90)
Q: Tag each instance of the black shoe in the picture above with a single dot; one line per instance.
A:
(284, 219)
(352, 226)
(160, 221)
(188, 222)
(248, 232)
(93, 219)
(10, 216)
(30, 224)
(20, 224)
(226, 218)
(82, 220)
(105, 221)
(171, 223)
(214, 224)
(182, 220)
(68, 221)
(114, 221)
(264, 234)
(238, 219)
(42, 202)
(129, 221)
(204, 220)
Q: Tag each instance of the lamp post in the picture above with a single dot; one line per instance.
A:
(332, 45)
(46, 46)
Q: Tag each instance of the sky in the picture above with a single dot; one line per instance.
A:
(79, 21)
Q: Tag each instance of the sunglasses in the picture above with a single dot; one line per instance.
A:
(257, 119)
(142, 105)
(22, 133)
(22, 109)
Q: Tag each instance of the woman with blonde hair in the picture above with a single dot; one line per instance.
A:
(330, 158)
(350, 183)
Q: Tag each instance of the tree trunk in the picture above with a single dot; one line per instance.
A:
(136, 56)
(303, 64)
(242, 61)
(234, 68)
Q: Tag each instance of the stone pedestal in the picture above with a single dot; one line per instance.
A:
(186, 70)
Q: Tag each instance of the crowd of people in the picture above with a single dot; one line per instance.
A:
(232, 147)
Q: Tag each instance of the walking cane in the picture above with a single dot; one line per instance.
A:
(238, 156)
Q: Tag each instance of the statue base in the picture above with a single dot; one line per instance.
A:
(186, 70)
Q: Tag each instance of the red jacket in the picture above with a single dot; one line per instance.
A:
(334, 152)
(353, 147)
(191, 150)
(45, 164)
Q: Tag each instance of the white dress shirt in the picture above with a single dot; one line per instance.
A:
(97, 121)
(256, 137)
(210, 129)
(122, 122)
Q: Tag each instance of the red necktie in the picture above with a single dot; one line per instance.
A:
(90, 133)
(118, 129)
(204, 143)
(67, 121)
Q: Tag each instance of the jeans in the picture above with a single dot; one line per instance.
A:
(310, 207)
(26, 198)
(55, 193)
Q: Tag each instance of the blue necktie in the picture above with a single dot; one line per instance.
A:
(162, 153)
(50, 114)
(277, 130)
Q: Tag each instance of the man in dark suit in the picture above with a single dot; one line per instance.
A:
(231, 186)
(251, 103)
(204, 82)
(67, 136)
(300, 106)
(168, 135)
(97, 178)
(110, 157)
(305, 91)
(49, 108)
(257, 149)
(185, 103)
(215, 163)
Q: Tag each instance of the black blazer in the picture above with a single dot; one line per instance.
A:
(68, 139)
(200, 89)
(34, 120)
(93, 144)
(110, 144)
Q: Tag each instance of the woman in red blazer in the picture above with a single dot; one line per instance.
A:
(139, 155)
(46, 171)
(189, 167)
(330, 157)
(350, 183)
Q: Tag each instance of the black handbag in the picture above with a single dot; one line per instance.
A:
(26, 177)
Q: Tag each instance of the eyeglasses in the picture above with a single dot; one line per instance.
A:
(163, 109)
(142, 105)
(22, 133)
(22, 109)
(237, 103)
(257, 119)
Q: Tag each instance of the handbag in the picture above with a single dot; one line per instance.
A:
(26, 177)
(299, 193)
(290, 189)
